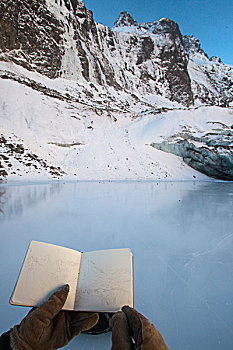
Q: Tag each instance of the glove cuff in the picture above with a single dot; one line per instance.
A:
(16, 342)
(13, 344)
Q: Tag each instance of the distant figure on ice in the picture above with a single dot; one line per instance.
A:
(49, 328)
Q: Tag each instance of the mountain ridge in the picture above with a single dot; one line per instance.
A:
(115, 79)
(61, 38)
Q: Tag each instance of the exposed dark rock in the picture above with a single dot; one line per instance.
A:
(124, 20)
(147, 47)
(35, 37)
(74, 4)
(174, 60)
(3, 172)
(32, 36)
(68, 145)
(17, 151)
(37, 86)
(29, 27)
(218, 89)
(193, 46)
(83, 60)
(161, 60)
(215, 59)
(60, 38)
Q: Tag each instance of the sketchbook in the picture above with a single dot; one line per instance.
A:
(100, 280)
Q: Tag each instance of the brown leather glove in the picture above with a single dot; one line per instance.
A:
(130, 323)
(49, 328)
(121, 337)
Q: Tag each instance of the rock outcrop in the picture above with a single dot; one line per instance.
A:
(31, 36)
(211, 80)
(155, 58)
(60, 38)
(124, 20)
(132, 70)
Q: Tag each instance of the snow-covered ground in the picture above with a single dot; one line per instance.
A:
(105, 136)
(180, 234)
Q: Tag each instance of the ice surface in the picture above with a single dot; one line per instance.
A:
(181, 235)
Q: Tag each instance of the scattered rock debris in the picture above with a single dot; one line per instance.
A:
(15, 152)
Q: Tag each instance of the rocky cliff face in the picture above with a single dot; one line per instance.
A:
(132, 70)
(211, 79)
(60, 38)
(154, 57)
(31, 36)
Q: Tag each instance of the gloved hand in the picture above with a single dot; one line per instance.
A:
(130, 323)
(49, 328)
(121, 335)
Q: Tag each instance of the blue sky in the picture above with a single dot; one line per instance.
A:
(211, 21)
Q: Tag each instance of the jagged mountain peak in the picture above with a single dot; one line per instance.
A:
(215, 59)
(126, 23)
(193, 47)
(135, 71)
(164, 25)
(124, 20)
(59, 38)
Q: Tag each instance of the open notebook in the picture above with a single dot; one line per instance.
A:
(100, 280)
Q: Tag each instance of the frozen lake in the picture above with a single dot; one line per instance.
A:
(181, 235)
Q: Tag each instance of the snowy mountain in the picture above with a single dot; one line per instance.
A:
(80, 100)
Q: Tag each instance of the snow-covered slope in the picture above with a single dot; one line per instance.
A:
(86, 139)
(53, 129)
(81, 101)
